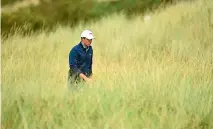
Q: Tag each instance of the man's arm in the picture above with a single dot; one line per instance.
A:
(73, 65)
(84, 77)
(91, 63)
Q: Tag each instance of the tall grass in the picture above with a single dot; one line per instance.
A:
(155, 75)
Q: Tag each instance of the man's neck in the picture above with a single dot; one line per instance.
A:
(84, 45)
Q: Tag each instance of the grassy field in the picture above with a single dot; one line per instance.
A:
(154, 75)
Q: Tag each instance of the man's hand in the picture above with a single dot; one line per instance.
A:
(85, 78)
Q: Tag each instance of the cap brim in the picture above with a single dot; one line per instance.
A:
(90, 37)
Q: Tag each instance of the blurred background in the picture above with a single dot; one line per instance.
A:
(35, 15)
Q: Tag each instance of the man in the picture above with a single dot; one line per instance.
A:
(80, 59)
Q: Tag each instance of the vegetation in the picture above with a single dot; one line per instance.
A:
(153, 75)
(49, 14)
(7, 2)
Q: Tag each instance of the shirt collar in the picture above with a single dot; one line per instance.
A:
(84, 46)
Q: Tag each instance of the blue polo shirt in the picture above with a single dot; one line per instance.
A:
(80, 60)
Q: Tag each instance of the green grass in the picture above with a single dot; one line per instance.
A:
(155, 75)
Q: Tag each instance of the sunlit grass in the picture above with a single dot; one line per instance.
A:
(156, 75)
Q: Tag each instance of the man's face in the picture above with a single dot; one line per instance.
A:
(87, 42)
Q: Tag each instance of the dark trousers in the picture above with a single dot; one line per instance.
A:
(73, 80)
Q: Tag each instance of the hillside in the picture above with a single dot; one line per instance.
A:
(151, 75)
(28, 17)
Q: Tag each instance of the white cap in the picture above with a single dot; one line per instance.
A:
(87, 34)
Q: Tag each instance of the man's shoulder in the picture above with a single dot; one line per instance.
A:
(75, 47)
(91, 47)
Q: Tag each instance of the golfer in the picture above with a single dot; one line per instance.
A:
(80, 59)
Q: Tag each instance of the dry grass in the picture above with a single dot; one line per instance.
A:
(153, 76)
(18, 5)
(25, 3)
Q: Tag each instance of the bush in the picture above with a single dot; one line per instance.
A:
(48, 14)
(6, 2)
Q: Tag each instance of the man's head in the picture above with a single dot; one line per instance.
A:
(87, 37)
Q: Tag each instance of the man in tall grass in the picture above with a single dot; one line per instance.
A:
(80, 59)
